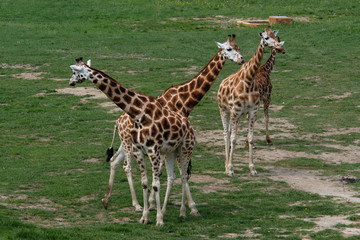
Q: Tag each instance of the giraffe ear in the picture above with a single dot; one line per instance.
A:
(220, 45)
(275, 32)
(75, 68)
(88, 62)
(260, 34)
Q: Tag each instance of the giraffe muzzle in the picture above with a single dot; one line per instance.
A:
(241, 60)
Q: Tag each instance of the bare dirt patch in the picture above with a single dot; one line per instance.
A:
(230, 235)
(310, 181)
(330, 222)
(86, 198)
(29, 75)
(19, 66)
(334, 96)
(92, 160)
(301, 19)
(190, 71)
(92, 93)
(283, 128)
(59, 79)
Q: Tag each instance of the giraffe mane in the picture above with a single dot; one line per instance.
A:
(112, 79)
(199, 73)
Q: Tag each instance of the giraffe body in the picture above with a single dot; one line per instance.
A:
(263, 82)
(181, 98)
(238, 95)
(160, 133)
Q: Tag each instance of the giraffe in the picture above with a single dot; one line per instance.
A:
(262, 80)
(238, 95)
(181, 98)
(160, 133)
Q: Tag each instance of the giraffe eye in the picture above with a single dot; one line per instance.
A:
(267, 38)
(228, 49)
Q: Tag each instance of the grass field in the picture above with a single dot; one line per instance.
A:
(52, 160)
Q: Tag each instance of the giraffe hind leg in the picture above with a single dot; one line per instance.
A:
(266, 114)
(115, 161)
(128, 171)
(252, 119)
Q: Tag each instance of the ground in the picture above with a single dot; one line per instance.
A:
(302, 179)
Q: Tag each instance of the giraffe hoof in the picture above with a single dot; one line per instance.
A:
(138, 209)
(231, 174)
(160, 223)
(254, 174)
(105, 203)
(152, 208)
(195, 213)
(143, 220)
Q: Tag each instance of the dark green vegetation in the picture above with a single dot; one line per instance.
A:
(52, 160)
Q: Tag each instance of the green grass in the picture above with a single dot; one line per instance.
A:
(48, 191)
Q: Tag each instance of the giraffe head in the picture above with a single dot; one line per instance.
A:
(80, 72)
(281, 50)
(230, 50)
(268, 38)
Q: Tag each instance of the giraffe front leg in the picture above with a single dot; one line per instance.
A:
(225, 118)
(234, 123)
(145, 185)
(115, 161)
(152, 193)
(159, 216)
(247, 138)
(155, 162)
(252, 120)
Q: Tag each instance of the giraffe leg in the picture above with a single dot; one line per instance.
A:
(247, 137)
(155, 162)
(152, 193)
(152, 203)
(145, 185)
(187, 156)
(115, 161)
(225, 118)
(191, 203)
(252, 119)
(266, 114)
(234, 123)
(169, 162)
(128, 170)
(183, 182)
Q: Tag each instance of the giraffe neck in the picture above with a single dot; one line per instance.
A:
(250, 68)
(184, 97)
(129, 101)
(269, 65)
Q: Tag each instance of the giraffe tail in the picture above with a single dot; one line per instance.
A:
(110, 150)
(188, 171)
